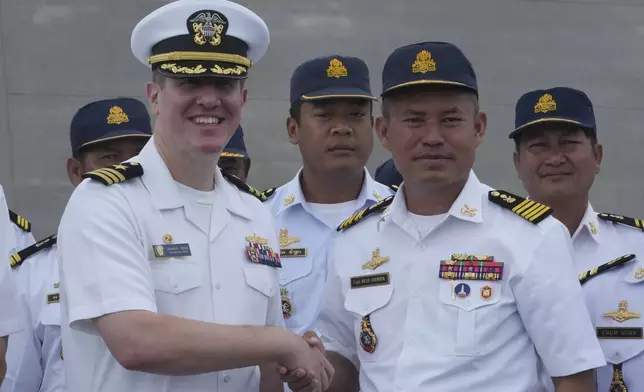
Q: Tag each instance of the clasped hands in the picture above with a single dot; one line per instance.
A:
(307, 369)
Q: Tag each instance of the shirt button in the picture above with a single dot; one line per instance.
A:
(616, 354)
(226, 378)
(422, 246)
(217, 286)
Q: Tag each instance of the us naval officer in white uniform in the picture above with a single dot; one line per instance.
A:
(168, 269)
(558, 157)
(331, 122)
(11, 317)
(102, 133)
(471, 286)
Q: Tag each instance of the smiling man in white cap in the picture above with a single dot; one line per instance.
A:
(168, 266)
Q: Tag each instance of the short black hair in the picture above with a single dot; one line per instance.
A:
(295, 111)
(588, 132)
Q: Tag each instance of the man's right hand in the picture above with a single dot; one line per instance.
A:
(304, 366)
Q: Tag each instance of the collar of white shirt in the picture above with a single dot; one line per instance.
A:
(589, 224)
(163, 188)
(467, 207)
(368, 194)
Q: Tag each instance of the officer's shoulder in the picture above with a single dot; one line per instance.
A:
(634, 223)
(116, 173)
(242, 186)
(19, 221)
(530, 210)
(365, 213)
(269, 193)
(618, 262)
(18, 258)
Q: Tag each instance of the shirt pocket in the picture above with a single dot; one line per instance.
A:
(372, 302)
(261, 285)
(175, 283)
(470, 313)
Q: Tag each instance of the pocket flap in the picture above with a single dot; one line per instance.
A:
(260, 279)
(175, 276)
(364, 301)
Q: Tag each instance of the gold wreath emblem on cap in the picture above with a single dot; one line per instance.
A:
(336, 69)
(117, 116)
(546, 104)
(424, 62)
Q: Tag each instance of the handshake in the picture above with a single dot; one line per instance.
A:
(305, 367)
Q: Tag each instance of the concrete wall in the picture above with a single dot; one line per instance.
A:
(56, 55)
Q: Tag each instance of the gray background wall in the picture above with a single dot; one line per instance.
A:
(57, 55)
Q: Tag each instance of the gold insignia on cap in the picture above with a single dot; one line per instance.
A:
(117, 116)
(546, 104)
(424, 62)
(285, 240)
(336, 69)
(468, 211)
(288, 200)
(622, 314)
(376, 260)
(207, 27)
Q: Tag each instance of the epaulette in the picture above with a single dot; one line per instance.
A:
(586, 276)
(116, 173)
(362, 214)
(393, 187)
(19, 257)
(636, 223)
(19, 221)
(242, 186)
(527, 209)
(269, 193)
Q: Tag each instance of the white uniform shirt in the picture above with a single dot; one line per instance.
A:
(305, 262)
(440, 335)
(35, 356)
(597, 242)
(10, 312)
(107, 265)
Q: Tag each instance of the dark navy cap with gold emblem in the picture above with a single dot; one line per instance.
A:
(437, 63)
(201, 38)
(108, 119)
(236, 148)
(331, 77)
(562, 105)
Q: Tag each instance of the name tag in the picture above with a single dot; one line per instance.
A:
(293, 252)
(619, 333)
(53, 298)
(171, 250)
(358, 282)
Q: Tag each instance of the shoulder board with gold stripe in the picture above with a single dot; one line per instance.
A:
(19, 221)
(633, 222)
(527, 209)
(362, 214)
(19, 257)
(269, 192)
(116, 173)
(242, 186)
(586, 276)
(394, 188)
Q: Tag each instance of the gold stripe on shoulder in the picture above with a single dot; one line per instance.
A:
(624, 220)
(364, 213)
(116, 173)
(622, 260)
(530, 210)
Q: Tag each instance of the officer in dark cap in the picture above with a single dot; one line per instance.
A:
(102, 133)
(332, 125)
(105, 133)
(387, 174)
(450, 285)
(557, 157)
(234, 159)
